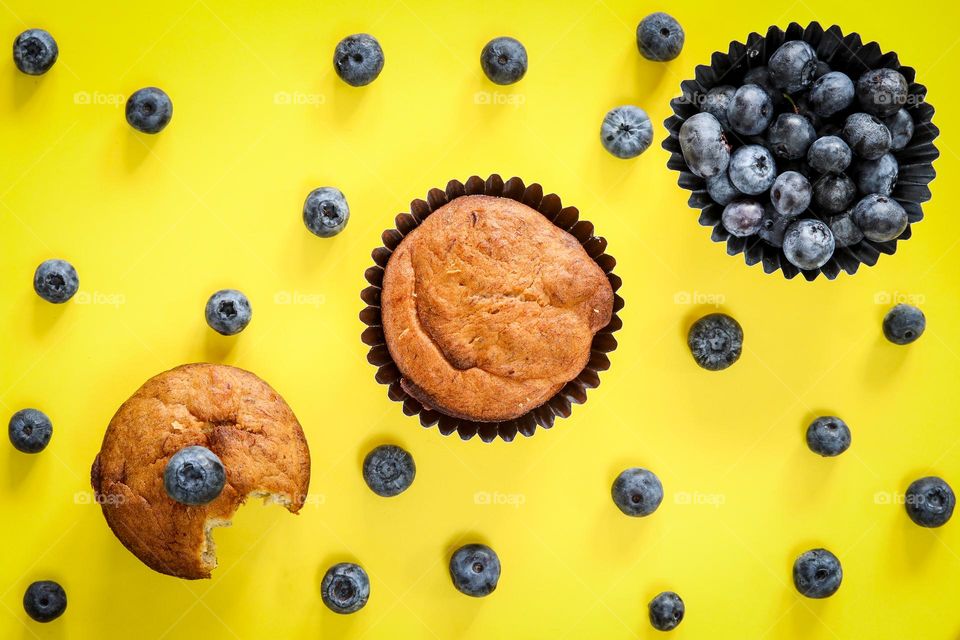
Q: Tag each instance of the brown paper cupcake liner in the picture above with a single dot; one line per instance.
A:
(843, 53)
(574, 392)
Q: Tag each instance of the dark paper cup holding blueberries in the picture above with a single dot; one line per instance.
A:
(805, 150)
(564, 217)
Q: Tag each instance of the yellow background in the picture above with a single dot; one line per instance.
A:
(155, 224)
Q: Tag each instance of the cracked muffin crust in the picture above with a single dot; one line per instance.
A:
(230, 411)
(489, 308)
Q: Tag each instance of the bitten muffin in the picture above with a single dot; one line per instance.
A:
(230, 411)
(489, 309)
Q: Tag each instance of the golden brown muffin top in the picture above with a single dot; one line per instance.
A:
(489, 308)
(230, 411)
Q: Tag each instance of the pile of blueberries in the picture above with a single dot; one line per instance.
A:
(802, 156)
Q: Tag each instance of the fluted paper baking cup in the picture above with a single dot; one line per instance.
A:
(574, 392)
(843, 53)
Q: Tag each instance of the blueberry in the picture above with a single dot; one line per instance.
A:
(834, 192)
(877, 176)
(808, 244)
(45, 601)
(325, 212)
(822, 69)
(793, 66)
(903, 324)
(817, 573)
(358, 59)
(882, 92)
(475, 570)
(845, 231)
(750, 111)
(345, 588)
(716, 341)
(881, 218)
(790, 136)
(637, 492)
(35, 51)
(900, 125)
(55, 281)
(659, 37)
(194, 475)
(930, 502)
(802, 108)
(791, 193)
(716, 102)
(752, 169)
(773, 227)
(30, 430)
(721, 189)
(867, 136)
(666, 611)
(742, 218)
(704, 147)
(760, 76)
(828, 436)
(504, 60)
(831, 93)
(228, 312)
(626, 131)
(829, 154)
(149, 110)
(388, 470)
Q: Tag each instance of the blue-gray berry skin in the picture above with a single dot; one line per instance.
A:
(867, 136)
(637, 492)
(773, 227)
(742, 218)
(903, 324)
(808, 244)
(828, 436)
(901, 127)
(45, 601)
(194, 475)
(475, 570)
(326, 212)
(358, 59)
(716, 101)
(882, 92)
(822, 69)
(791, 193)
(829, 154)
(760, 76)
(389, 470)
(659, 37)
(930, 502)
(56, 281)
(228, 312)
(881, 218)
(30, 430)
(793, 66)
(35, 51)
(817, 573)
(750, 111)
(790, 136)
(345, 588)
(704, 147)
(845, 231)
(504, 60)
(831, 93)
(752, 169)
(149, 110)
(722, 190)
(833, 193)
(877, 176)
(666, 611)
(626, 131)
(715, 341)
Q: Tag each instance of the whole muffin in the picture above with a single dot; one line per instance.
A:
(230, 411)
(489, 309)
